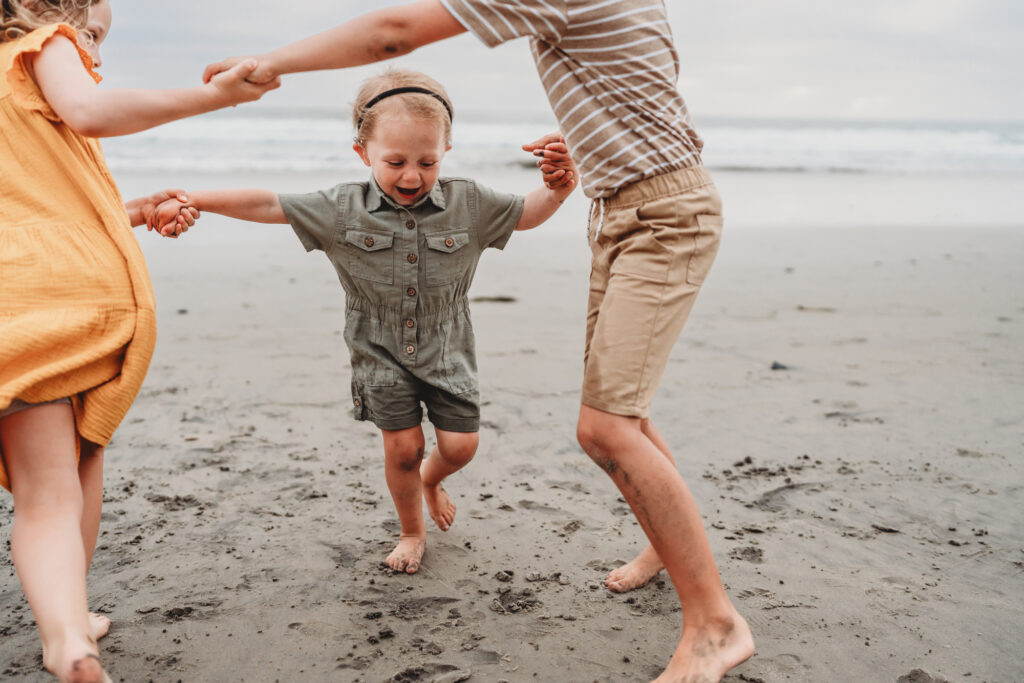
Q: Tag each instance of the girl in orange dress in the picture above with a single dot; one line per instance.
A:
(77, 323)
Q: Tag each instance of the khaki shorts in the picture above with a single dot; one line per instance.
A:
(18, 405)
(653, 244)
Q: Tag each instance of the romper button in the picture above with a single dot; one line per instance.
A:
(368, 241)
(357, 402)
(411, 291)
(410, 224)
(410, 349)
(412, 258)
(449, 243)
(410, 323)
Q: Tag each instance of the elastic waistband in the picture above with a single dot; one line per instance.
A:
(659, 186)
(387, 314)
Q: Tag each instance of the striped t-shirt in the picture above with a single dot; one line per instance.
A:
(610, 70)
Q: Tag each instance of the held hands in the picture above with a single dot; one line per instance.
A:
(556, 165)
(146, 210)
(262, 74)
(173, 216)
(234, 80)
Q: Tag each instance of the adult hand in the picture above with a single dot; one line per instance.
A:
(235, 86)
(263, 73)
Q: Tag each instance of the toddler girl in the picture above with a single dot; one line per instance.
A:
(405, 246)
(77, 322)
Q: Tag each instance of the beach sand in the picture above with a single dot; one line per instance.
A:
(845, 405)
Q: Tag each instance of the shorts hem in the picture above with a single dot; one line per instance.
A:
(463, 425)
(629, 410)
(395, 424)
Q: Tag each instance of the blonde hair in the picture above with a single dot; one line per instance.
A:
(20, 17)
(419, 105)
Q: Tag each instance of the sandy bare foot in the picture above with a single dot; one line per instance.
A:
(407, 554)
(76, 662)
(99, 625)
(706, 654)
(635, 574)
(440, 506)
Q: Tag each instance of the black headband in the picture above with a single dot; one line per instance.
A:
(399, 91)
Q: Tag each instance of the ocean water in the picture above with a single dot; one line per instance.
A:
(314, 140)
(772, 172)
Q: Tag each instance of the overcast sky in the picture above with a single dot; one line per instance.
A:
(868, 59)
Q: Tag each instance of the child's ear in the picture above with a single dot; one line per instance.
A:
(361, 151)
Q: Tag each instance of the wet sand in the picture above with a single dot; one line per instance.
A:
(845, 405)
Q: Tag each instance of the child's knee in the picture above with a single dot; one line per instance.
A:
(405, 451)
(460, 450)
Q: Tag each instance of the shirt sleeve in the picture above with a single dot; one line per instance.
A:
(313, 217)
(496, 216)
(15, 69)
(498, 21)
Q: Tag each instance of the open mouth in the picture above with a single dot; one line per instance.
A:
(406, 192)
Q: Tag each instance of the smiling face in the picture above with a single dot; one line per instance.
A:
(405, 154)
(95, 31)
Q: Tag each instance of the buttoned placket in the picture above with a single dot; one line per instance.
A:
(410, 294)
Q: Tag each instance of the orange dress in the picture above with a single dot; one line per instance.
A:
(77, 314)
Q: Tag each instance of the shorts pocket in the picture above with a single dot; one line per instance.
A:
(371, 256)
(447, 256)
(364, 380)
(709, 234)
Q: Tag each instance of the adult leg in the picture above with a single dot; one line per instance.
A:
(647, 564)
(454, 450)
(46, 541)
(90, 474)
(403, 453)
(715, 637)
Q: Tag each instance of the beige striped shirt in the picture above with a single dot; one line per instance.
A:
(610, 70)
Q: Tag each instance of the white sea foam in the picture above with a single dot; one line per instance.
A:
(313, 141)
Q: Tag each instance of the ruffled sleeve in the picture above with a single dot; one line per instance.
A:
(23, 87)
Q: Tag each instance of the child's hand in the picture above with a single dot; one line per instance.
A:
(262, 74)
(172, 218)
(234, 86)
(556, 165)
(141, 210)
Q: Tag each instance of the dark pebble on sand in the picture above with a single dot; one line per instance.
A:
(182, 311)
(776, 365)
(504, 576)
(373, 615)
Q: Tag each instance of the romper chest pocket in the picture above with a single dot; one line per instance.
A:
(447, 257)
(371, 256)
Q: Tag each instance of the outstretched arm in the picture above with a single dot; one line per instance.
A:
(560, 179)
(94, 112)
(257, 206)
(373, 37)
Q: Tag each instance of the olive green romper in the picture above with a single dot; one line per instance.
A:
(406, 272)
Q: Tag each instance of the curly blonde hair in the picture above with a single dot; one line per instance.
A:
(20, 17)
(420, 105)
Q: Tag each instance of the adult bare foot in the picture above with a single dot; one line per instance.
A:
(440, 506)
(407, 555)
(87, 669)
(99, 625)
(706, 653)
(635, 574)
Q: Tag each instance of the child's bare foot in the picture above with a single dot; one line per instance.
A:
(407, 554)
(99, 625)
(706, 653)
(76, 662)
(440, 506)
(635, 574)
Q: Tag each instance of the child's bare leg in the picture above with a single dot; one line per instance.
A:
(715, 637)
(403, 453)
(46, 541)
(453, 452)
(647, 564)
(90, 474)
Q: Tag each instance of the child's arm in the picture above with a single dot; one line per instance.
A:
(560, 178)
(257, 206)
(91, 111)
(372, 37)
